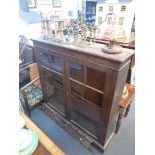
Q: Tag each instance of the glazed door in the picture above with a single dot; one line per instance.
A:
(86, 90)
(52, 69)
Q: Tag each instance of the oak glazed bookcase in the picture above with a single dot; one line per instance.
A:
(83, 84)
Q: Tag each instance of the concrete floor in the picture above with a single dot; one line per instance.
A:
(121, 144)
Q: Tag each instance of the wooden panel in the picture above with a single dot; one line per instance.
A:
(73, 54)
(84, 122)
(89, 110)
(109, 89)
(95, 78)
(93, 96)
(95, 51)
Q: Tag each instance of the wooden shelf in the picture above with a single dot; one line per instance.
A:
(92, 84)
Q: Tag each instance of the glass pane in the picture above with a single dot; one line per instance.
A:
(55, 63)
(93, 96)
(100, 9)
(82, 119)
(95, 78)
(52, 77)
(77, 88)
(55, 97)
(76, 71)
(44, 58)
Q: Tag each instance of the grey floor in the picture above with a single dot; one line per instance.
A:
(121, 144)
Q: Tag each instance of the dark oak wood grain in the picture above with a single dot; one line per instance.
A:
(92, 84)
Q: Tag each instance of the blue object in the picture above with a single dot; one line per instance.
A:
(30, 17)
(23, 4)
(90, 12)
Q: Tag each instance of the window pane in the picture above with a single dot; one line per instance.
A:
(100, 9)
(56, 63)
(109, 20)
(51, 77)
(123, 8)
(55, 97)
(111, 8)
(99, 20)
(76, 71)
(77, 88)
(44, 58)
(121, 20)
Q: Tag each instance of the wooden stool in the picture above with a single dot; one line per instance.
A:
(124, 105)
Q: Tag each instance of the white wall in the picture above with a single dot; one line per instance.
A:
(128, 14)
(62, 12)
(29, 30)
(34, 30)
(70, 5)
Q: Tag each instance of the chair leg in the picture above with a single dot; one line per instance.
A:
(127, 110)
(120, 116)
(43, 107)
(29, 112)
(26, 104)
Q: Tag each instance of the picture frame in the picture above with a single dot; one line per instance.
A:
(31, 3)
(57, 3)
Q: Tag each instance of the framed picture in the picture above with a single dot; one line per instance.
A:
(31, 3)
(56, 3)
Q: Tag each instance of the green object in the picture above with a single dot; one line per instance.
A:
(33, 94)
(29, 146)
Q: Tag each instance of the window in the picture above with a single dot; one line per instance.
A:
(100, 9)
(121, 20)
(123, 8)
(56, 3)
(92, 10)
(99, 20)
(70, 13)
(109, 20)
(111, 8)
